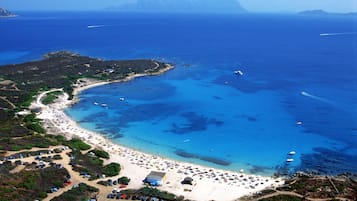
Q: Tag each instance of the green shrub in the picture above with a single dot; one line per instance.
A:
(75, 194)
(30, 182)
(15, 148)
(30, 118)
(100, 153)
(96, 161)
(78, 144)
(104, 183)
(111, 169)
(36, 127)
(57, 157)
(28, 146)
(58, 183)
(124, 180)
(51, 97)
(60, 138)
(42, 195)
(28, 100)
(57, 150)
(148, 191)
(282, 197)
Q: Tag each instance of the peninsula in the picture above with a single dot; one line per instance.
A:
(45, 155)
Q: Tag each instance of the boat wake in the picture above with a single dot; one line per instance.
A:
(95, 26)
(338, 34)
(304, 93)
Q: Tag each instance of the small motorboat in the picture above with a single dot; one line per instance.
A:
(289, 160)
(238, 72)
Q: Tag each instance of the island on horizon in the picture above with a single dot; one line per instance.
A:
(6, 13)
(320, 12)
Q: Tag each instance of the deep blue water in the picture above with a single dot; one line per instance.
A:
(201, 111)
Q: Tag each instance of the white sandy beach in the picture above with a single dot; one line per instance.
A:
(209, 183)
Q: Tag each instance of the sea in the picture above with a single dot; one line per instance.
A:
(260, 92)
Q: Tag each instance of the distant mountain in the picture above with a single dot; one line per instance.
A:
(183, 6)
(323, 13)
(5, 13)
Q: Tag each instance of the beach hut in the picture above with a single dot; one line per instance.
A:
(155, 178)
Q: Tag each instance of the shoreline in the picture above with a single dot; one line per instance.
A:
(209, 183)
(87, 83)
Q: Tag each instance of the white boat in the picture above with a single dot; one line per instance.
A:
(104, 105)
(94, 26)
(299, 123)
(187, 140)
(238, 72)
(289, 160)
(122, 99)
(95, 103)
(292, 153)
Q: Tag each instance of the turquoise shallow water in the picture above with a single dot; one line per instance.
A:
(202, 111)
(200, 118)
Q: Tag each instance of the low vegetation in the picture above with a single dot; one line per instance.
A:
(92, 166)
(124, 180)
(112, 169)
(281, 198)
(312, 187)
(153, 192)
(30, 185)
(51, 97)
(78, 144)
(100, 153)
(79, 193)
(36, 127)
(27, 142)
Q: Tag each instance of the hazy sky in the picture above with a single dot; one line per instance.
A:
(299, 5)
(251, 5)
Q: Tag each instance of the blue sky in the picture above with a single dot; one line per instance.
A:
(251, 5)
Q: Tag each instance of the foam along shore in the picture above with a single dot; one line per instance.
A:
(209, 183)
